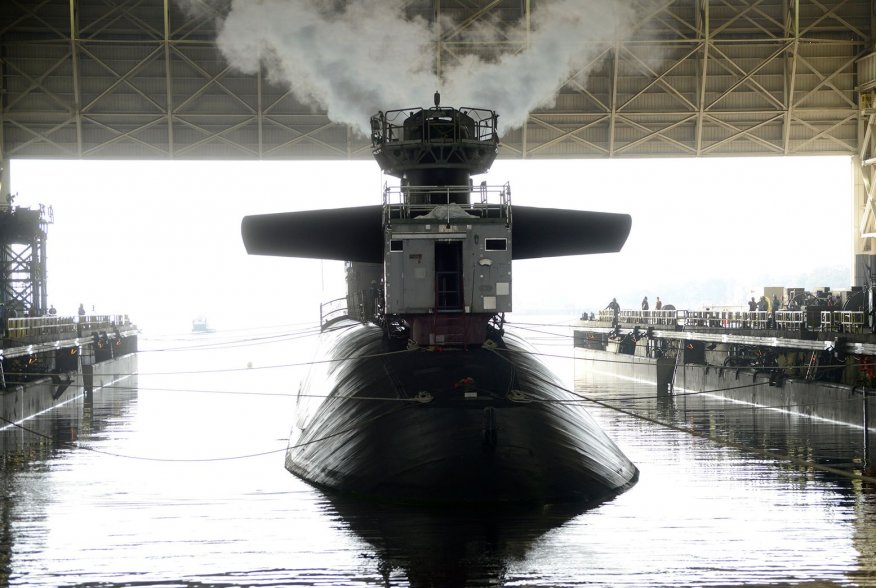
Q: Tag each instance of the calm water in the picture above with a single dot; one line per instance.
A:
(179, 481)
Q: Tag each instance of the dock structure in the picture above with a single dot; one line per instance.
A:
(45, 347)
(46, 359)
(814, 361)
(23, 233)
(812, 329)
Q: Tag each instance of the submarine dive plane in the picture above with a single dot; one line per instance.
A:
(420, 394)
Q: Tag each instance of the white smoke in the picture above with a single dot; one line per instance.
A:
(356, 57)
(205, 8)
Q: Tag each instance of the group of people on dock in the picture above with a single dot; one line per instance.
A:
(764, 304)
(11, 311)
(645, 306)
(614, 307)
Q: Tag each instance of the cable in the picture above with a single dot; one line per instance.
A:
(237, 369)
(209, 459)
(304, 364)
(235, 343)
(724, 442)
(499, 352)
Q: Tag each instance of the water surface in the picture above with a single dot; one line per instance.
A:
(179, 481)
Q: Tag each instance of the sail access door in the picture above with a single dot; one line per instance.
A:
(448, 276)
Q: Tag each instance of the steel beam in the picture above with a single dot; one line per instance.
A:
(72, 87)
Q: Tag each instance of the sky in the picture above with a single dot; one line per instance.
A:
(161, 241)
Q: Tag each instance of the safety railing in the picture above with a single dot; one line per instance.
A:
(645, 317)
(62, 326)
(332, 311)
(791, 320)
(851, 321)
(842, 321)
(418, 125)
(483, 201)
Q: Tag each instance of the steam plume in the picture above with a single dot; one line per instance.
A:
(355, 57)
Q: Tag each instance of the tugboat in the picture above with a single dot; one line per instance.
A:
(199, 325)
(419, 394)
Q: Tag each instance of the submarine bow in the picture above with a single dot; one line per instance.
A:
(356, 234)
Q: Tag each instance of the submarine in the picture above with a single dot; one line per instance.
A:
(420, 393)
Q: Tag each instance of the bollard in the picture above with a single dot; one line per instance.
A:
(665, 375)
(866, 412)
(88, 379)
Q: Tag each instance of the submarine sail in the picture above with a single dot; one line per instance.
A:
(419, 393)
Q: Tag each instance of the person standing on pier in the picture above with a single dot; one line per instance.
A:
(645, 303)
(658, 305)
(615, 310)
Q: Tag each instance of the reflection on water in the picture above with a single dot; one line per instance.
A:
(442, 547)
(180, 482)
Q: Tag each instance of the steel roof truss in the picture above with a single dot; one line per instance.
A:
(832, 13)
(791, 56)
(564, 135)
(826, 80)
(658, 15)
(825, 132)
(211, 79)
(748, 77)
(210, 137)
(744, 15)
(865, 147)
(310, 135)
(472, 19)
(270, 107)
(660, 79)
(121, 135)
(114, 14)
(31, 11)
(40, 137)
(572, 81)
(124, 78)
(38, 83)
(745, 84)
(658, 134)
(746, 133)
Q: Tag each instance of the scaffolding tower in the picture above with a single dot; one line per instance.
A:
(23, 233)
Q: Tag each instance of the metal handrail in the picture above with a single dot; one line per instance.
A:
(58, 326)
(389, 126)
(830, 320)
(332, 311)
(489, 198)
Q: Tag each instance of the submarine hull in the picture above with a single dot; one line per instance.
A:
(489, 424)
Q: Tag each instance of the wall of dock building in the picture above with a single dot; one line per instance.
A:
(21, 401)
(842, 403)
(64, 375)
(825, 400)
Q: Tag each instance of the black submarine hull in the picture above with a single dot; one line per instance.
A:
(484, 425)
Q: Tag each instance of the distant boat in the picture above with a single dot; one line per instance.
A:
(199, 325)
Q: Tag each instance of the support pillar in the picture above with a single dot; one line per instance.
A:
(5, 185)
(863, 221)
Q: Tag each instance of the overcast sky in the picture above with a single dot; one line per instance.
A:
(161, 240)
